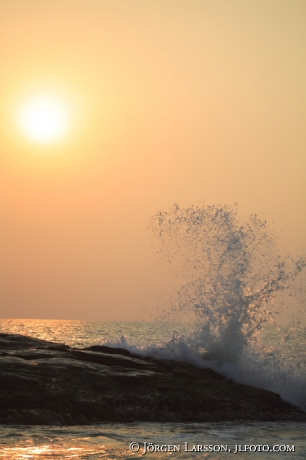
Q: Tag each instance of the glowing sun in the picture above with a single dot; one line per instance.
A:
(44, 118)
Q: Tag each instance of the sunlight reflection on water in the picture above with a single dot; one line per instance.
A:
(111, 441)
(85, 333)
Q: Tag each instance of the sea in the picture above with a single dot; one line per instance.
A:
(114, 440)
(238, 307)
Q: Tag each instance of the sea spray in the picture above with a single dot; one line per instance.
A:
(237, 283)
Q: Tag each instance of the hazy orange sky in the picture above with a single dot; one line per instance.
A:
(182, 101)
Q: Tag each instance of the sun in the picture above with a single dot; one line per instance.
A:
(44, 118)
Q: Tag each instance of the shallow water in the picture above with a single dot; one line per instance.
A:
(112, 441)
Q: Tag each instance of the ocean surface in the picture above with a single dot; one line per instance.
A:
(238, 307)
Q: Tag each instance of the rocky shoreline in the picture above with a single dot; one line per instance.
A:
(44, 383)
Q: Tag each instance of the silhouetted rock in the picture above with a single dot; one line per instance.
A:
(46, 383)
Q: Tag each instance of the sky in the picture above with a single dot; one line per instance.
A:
(170, 101)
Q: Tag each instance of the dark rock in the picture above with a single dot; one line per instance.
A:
(44, 383)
